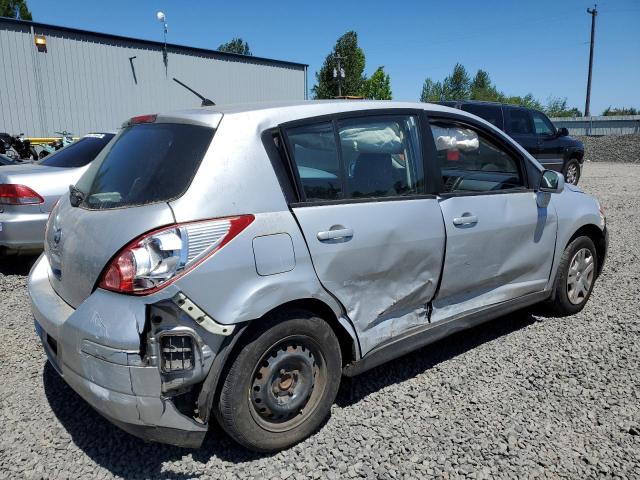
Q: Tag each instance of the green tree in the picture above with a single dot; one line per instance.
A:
(457, 86)
(557, 107)
(351, 61)
(15, 9)
(378, 86)
(482, 88)
(431, 91)
(236, 45)
(620, 111)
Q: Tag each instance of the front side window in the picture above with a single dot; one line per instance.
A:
(472, 162)
(542, 124)
(377, 156)
(520, 122)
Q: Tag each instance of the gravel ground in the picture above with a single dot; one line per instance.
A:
(522, 396)
(612, 148)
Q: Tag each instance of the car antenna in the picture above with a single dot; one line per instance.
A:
(205, 101)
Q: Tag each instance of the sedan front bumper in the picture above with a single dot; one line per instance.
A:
(96, 349)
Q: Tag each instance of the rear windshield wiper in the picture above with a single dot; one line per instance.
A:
(76, 197)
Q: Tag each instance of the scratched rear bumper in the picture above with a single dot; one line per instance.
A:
(111, 378)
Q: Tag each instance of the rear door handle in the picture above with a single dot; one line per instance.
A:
(465, 220)
(335, 234)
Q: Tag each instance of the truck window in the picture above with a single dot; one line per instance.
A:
(490, 113)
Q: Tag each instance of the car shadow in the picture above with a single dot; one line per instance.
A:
(128, 456)
(352, 390)
(18, 265)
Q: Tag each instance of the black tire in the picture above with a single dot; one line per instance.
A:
(282, 383)
(572, 171)
(560, 303)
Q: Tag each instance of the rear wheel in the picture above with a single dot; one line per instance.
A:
(572, 171)
(282, 383)
(576, 276)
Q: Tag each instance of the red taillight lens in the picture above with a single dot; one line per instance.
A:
(11, 194)
(150, 118)
(158, 258)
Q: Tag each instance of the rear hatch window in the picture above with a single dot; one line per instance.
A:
(146, 163)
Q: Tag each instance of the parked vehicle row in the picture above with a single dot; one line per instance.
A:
(533, 130)
(29, 191)
(234, 263)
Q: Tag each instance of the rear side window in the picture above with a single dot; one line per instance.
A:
(519, 122)
(78, 154)
(147, 163)
(490, 113)
(377, 156)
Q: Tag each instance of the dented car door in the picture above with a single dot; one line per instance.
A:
(498, 239)
(376, 240)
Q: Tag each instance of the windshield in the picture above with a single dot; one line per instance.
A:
(146, 163)
(78, 154)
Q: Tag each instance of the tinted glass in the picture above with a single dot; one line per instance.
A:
(315, 155)
(471, 162)
(147, 163)
(78, 154)
(381, 156)
(542, 124)
(520, 122)
(491, 113)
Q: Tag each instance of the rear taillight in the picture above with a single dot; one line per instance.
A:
(158, 258)
(11, 194)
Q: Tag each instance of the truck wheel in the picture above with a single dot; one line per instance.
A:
(575, 277)
(281, 385)
(572, 171)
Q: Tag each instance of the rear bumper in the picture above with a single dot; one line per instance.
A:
(96, 350)
(22, 232)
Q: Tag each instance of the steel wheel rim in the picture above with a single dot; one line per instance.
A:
(580, 277)
(572, 173)
(287, 384)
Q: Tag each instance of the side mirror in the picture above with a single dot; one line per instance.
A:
(551, 182)
(563, 132)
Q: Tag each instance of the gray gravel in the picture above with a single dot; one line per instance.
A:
(612, 148)
(523, 396)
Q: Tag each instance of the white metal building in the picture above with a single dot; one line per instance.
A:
(55, 78)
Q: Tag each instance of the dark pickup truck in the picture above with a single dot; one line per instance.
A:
(551, 146)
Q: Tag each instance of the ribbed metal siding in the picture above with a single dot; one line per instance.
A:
(84, 82)
(611, 125)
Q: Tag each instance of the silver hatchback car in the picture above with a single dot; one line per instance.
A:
(233, 263)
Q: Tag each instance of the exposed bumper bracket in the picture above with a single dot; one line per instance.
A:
(205, 321)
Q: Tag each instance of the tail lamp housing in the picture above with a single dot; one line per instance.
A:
(14, 194)
(158, 258)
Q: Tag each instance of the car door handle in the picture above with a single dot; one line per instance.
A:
(465, 220)
(335, 234)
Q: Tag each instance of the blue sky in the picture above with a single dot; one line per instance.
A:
(539, 46)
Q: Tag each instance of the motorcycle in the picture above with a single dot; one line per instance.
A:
(66, 139)
(17, 147)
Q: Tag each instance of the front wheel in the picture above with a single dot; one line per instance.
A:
(281, 385)
(572, 171)
(575, 278)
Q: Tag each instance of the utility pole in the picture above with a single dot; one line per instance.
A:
(593, 14)
(339, 74)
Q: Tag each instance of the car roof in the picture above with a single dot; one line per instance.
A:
(290, 111)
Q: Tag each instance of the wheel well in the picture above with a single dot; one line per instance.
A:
(318, 307)
(597, 236)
